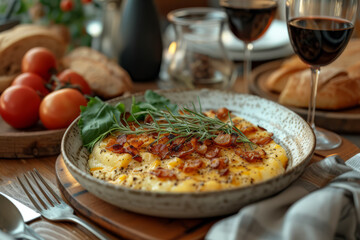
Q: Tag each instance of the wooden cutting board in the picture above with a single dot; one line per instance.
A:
(124, 223)
(29, 143)
(136, 226)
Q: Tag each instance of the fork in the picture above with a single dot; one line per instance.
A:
(49, 204)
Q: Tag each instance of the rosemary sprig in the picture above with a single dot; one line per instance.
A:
(99, 119)
(188, 125)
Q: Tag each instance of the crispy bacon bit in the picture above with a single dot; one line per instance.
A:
(201, 149)
(137, 158)
(177, 144)
(192, 165)
(219, 163)
(114, 146)
(261, 140)
(159, 149)
(183, 153)
(121, 139)
(136, 143)
(198, 146)
(131, 150)
(223, 139)
(164, 173)
(212, 152)
(248, 129)
(251, 156)
(148, 119)
(222, 113)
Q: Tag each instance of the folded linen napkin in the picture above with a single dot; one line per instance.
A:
(324, 203)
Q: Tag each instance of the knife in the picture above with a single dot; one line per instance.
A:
(27, 213)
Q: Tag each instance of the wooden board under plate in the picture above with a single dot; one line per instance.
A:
(122, 222)
(341, 121)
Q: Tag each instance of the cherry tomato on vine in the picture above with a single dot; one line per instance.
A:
(40, 61)
(72, 78)
(19, 106)
(59, 108)
(33, 81)
(66, 5)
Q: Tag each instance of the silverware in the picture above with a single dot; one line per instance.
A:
(12, 223)
(49, 204)
(27, 213)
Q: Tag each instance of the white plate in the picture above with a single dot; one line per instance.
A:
(289, 130)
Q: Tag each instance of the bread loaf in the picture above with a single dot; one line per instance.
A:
(336, 90)
(106, 78)
(14, 43)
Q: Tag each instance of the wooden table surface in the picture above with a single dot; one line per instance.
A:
(11, 168)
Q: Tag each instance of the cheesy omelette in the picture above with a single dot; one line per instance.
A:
(170, 164)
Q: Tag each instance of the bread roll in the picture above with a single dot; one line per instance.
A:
(336, 90)
(106, 78)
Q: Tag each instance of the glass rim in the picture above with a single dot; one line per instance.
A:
(196, 15)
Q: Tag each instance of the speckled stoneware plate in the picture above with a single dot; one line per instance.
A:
(290, 130)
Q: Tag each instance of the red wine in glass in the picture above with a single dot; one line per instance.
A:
(318, 41)
(249, 20)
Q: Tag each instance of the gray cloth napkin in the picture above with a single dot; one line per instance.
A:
(324, 203)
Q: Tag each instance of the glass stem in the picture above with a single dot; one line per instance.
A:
(247, 66)
(315, 72)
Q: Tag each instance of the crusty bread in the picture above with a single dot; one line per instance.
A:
(14, 43)
(278, 79)
(336, 90)
(106, 78)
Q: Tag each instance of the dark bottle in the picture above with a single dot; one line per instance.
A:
(140, 40)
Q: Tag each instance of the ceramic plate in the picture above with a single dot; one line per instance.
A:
(290, 130)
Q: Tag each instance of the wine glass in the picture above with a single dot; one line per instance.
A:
(319, 31)
(249, 20)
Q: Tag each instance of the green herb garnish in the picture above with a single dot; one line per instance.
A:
(98, 119)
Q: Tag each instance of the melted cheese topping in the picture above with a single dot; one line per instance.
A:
(123, 169)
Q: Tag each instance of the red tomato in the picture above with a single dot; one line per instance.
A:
(66, 5)
(33, 81)
(73, 78)
(59, 108)
(40, 61)
(19, 106)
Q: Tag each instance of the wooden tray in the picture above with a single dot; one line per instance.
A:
(29, 143)
(342, 121)
(124, 223)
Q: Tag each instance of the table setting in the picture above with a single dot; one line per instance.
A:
(217, 129)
